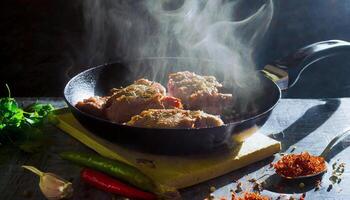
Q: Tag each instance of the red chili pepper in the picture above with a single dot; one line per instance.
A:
(108, 184)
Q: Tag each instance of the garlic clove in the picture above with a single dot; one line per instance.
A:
(52, 186)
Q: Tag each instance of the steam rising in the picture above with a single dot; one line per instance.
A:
(200, 29)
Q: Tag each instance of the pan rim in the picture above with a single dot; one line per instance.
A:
(65, 91)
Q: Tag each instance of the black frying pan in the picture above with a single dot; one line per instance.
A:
(251, 113)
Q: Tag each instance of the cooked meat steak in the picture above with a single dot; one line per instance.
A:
(174, 118)
(140, 87)
(123, 103)
(199, 92)
(92, 105)
(148, 101)
(133, 99)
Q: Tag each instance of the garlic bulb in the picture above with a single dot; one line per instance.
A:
(52, 186)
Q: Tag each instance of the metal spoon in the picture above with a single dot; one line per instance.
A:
(324, 154)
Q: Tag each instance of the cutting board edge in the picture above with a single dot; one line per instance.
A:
(102, 150)
(203, 176)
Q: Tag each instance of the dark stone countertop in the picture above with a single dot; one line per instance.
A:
(306, 124)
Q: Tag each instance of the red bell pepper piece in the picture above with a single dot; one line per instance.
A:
(108, 184)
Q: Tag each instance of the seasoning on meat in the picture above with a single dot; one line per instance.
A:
(123, 103)
(174, 118)
(199, 92)
(303, 164)
(133, 99)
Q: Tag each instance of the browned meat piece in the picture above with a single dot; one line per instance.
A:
(92, 105)
(199, 92)
(133, 99)
(139, 87)
(174, 118)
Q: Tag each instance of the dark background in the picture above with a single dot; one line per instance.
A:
(42, 43)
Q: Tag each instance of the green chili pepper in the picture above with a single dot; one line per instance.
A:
(114, 168)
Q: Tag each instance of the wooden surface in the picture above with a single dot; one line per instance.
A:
(307, 124)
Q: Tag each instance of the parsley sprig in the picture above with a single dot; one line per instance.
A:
(23, 127)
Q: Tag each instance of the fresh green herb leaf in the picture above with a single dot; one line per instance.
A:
(22, 127)
(41, 109)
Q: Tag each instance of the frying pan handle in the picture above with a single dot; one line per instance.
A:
(286, 71)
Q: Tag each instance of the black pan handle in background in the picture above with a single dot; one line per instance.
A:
(286, 71)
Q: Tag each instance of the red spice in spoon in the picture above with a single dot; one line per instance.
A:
(250, 196)
(295, 165)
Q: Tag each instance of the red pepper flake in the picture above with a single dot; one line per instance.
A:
(294, 165)
(250, 196)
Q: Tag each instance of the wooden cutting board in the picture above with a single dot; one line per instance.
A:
(176, 171)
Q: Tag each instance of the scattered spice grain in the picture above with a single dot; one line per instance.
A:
(318, 185)
(329, 187)
(293, 149)
(239, 187)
